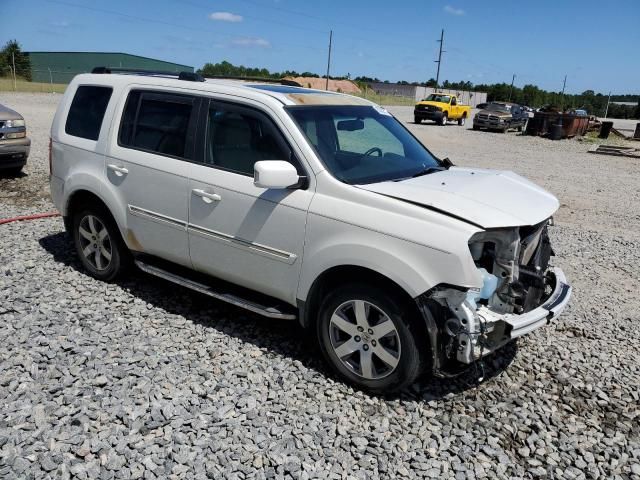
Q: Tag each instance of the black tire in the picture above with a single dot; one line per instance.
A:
(417, 120)
(12, 171)
(462, 120)
(407, 339)
(475, 127)
(119, 256)
(444, 119)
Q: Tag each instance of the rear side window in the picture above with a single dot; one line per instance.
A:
(157, 123)
(87, 112)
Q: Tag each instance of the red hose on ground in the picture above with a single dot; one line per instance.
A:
(29, 217)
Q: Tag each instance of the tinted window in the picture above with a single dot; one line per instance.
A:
(156, 123)
(87, 112)
(237, 138)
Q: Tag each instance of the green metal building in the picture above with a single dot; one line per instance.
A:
(61, 67)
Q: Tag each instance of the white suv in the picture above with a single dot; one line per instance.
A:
(307, 204)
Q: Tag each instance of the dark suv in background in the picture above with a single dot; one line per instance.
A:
(501, 116)
(14, 144)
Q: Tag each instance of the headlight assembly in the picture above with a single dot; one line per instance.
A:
(14, 123)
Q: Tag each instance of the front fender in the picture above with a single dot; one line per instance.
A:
(414, 267)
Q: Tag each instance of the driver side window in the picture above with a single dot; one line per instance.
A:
(238, 137)
(454, 101)
(373, 133)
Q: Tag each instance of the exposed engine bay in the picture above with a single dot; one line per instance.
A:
(519, 293)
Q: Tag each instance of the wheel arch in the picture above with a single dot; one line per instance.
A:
(81, 197)
(340, 275)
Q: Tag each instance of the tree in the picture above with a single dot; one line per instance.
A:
(12, 53)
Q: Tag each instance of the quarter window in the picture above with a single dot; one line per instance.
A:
(237, 138)
(87, 110)
(157, 123)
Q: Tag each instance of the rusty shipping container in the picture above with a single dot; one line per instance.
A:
(572, 125)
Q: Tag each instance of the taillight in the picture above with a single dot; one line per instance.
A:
(50, 154)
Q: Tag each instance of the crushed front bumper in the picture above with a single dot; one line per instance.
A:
(461, 333)
(527, 322)
(511, 326)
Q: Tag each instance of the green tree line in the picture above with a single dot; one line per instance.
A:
(12, 54)
(531, 95)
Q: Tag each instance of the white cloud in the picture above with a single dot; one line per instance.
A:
(251, 42)
(225, 17)
(453, 11)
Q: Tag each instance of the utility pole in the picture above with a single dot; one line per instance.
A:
(608, 101)
(441, 41)
(564, 84)
(13, 61)
(513, 79)
(326, 87)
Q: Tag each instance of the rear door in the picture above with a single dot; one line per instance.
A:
(148, 169)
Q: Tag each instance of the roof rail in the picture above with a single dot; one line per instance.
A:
(280, 81)
(187, 76)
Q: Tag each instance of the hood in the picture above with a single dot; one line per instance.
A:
(495, 113)
(488, 198)
(433, 104)
(7, 114)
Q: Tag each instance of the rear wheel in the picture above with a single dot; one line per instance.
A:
(370, 338)
(444, 119)
(417, 120)
(98, 243)
(462, 120)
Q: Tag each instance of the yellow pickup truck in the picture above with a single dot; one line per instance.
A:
(441, 108)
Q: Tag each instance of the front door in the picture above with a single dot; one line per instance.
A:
(239, 232)
(148, 168)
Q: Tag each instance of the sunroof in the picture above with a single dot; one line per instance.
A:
(288, 89)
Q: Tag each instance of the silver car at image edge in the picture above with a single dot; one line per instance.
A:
(303, 204)
(14, 143)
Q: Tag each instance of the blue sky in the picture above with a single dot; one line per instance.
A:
(595, 43)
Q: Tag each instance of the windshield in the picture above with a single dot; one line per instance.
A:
(498, 107)
(438, 98)
(362, 144)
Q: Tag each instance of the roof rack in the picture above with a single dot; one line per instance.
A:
(280, 81)
(192, 76)
(187, 76)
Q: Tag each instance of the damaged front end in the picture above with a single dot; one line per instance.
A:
(520, 292)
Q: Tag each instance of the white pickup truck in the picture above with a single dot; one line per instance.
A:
(298, 203)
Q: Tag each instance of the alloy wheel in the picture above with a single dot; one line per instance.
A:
(95, 242)
(365, 339)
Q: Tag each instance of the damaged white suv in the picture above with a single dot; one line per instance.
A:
(299, 203)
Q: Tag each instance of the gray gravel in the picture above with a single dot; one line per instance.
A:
(140, 379)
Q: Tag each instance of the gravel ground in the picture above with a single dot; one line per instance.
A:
(140, 379)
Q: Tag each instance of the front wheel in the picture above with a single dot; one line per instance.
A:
(444, 119)
(98, 243)
(370, 338)
(417, 120)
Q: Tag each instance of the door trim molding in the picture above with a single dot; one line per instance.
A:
(157, 217)
(252, 247)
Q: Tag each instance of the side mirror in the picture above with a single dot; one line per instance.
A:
(274, 174)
